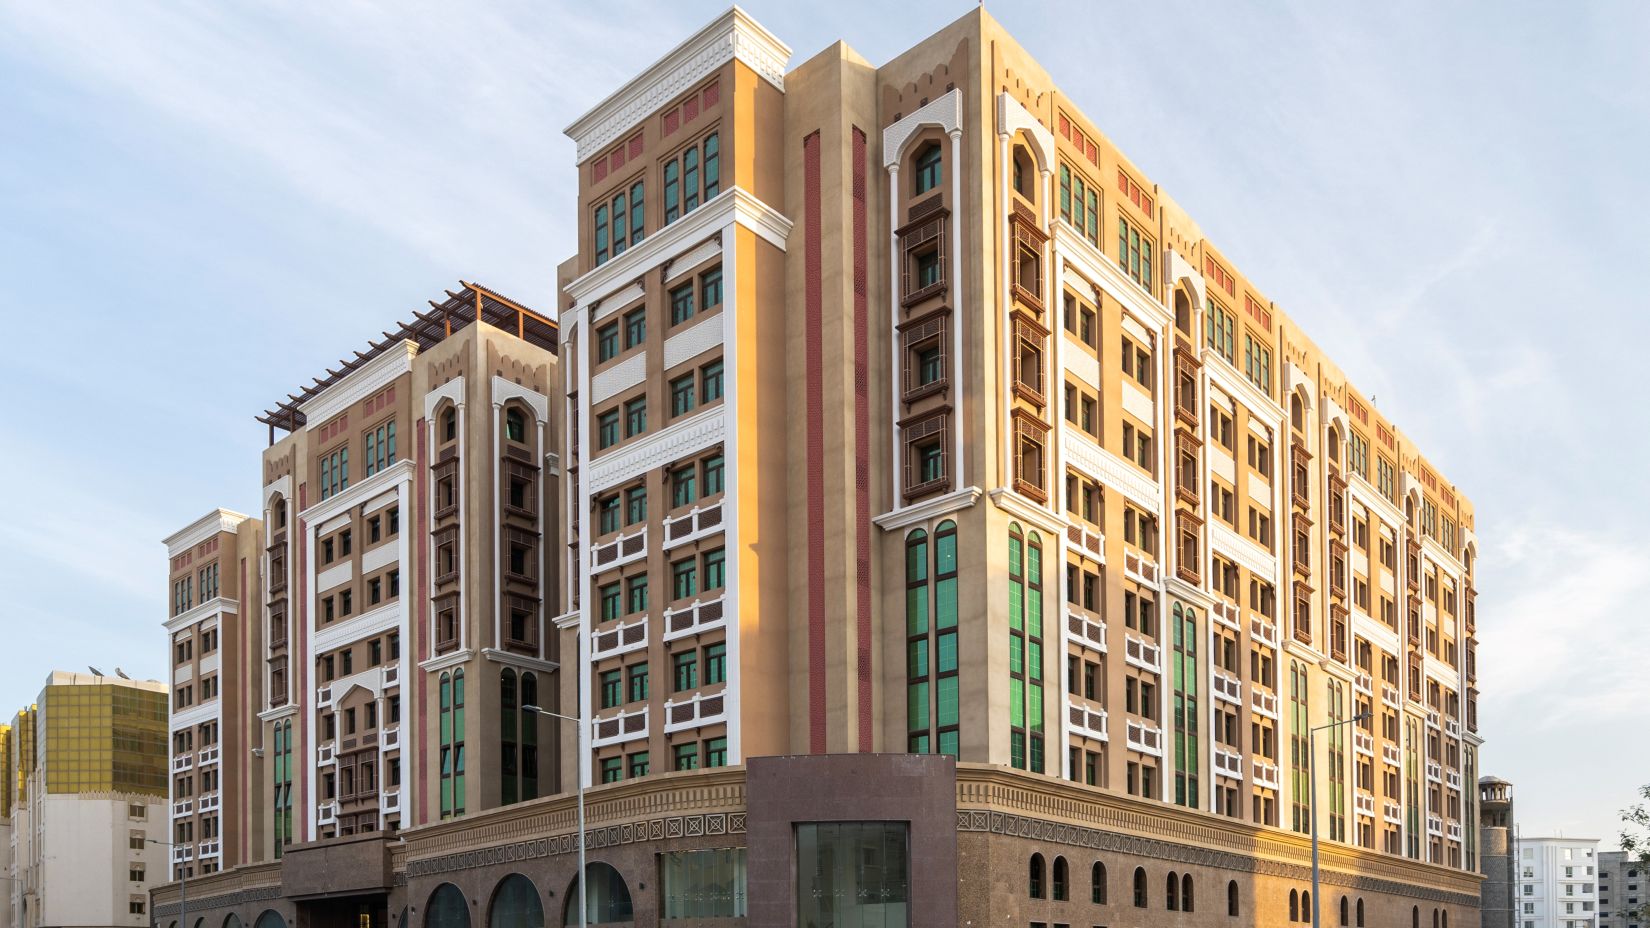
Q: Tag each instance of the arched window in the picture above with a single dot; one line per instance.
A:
(1434, 918)
(231, 921)
(515, 426)
(1360, 913)
(1345, 912)
(509, 766)
(447, 908)
(529, 737)
(449, 425)
(946, 667)
(1062, 880)
(1025, 174)
(1414, 916)
(1140, 887)
(1334, 444)
(272, 919)
(1294, 905)
(1232, 898)
(929, 171)
(1025, 655)
(1182, 311)
(1186, 893)
(515, 904)
(1445, 914)
(607, 898)
(1036, 889)
(1306, 905)
(919, 739)
(1097, 887)
(1297, 412)
(1171, 892)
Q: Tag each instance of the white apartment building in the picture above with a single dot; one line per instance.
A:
(1558, 882)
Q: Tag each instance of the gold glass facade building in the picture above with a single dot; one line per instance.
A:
(903, 476)
(104, 737)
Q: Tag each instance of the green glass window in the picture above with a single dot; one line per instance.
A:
(715, 569)
(716, 752)
(929, 170)
(710, 288)
(638, 764)
(713, 166)
(685, 667)
(612, 769)
(682, 485)
(611, 687)
(607, 514)
(635, 505)
(637, 213)
(607, 342)
(681, 304)
(684, 578)
(635, 328)
(607, 429)
(637, 681)
(600, 225)
(635, 417)
(609, 595)
(681, 395)
(687, 756)
(710, 382)
(716, 663)
(636, 594)
(713, 475)
(690, 180)
(620, 226)
(673, 191)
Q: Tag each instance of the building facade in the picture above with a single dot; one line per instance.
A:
(1558, 882)
(1623, 890)
(84, 794)
(892, 425)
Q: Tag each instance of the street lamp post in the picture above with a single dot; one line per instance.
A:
(578, 778)
(183, 883)
(1312, 797)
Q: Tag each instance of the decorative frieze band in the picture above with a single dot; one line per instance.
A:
(658, 829)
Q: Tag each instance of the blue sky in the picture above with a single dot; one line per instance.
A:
(204, 204)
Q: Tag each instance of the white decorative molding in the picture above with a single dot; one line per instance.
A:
(1181, 269)
(1294, 377)
(733, 36)
(360, 383)
(375, 559)
(450, 659)
(683, 264)
(207, 610)
(1025, 510)
(1376, 633)
(618, 377)
(1013, 117)
(334, 575)
(1245, 550)
(944, 112)
(674, 441)
(617, 300)
(918, 513)
(358, 494)
(384, 618)
(1260, 491)
(521, 661)
(214, 522)
(733, 205)
(1138, 403)
(1229, 379)
(194, 715)
(692, 341)
(280, 485)
(510, 390)
(1085, 366)
(278, 713)
(1110, 469)
(1221, 463)
(451, 390)
(1070, 245)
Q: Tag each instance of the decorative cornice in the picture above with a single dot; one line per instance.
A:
(450, 659)
(732, 36)
(1110, 469)
(451, 390)
(202, 612)
(1021, 508)
(360, 383)
(344, 500)
(668, 444)
(1243, 549)
(907, 516)
(944, 112)
(214, 522)
(510, 390)
(511, 659)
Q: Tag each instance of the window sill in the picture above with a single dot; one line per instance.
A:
(927, 487)
(922, 294)
(928, 389)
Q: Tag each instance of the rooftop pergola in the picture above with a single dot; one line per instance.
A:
(471, 302)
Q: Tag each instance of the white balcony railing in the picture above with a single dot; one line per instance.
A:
(693, 525)
(327, 813)
(1228, 687)
(212, 848)
(1452, 779)
(1432, 719)
(183, 807)
(1093, 543)
(1363, 742)
(1363, 804)
(392, 675)
(619, 727)
(1435, 825)
(1263, 631)
(621, 550)
(1452, 831)
(323, 695)
(1142, 654)
(1392, 812)
(211, 802)
(392, 738)
(1263, 702)
(1265, 774)
(1452, 728)
(209, 755)
(1389, 696)
(1363, 683)
(323, 754)
(1086, 721)
(1085, 628)
(700, 709)
(1139, 569)
(620, 639)
(391, 801)
(1146, 738)
(1228, 763)
(693, 619)
(1391, 756)
(1227, 614)
(183, 762)
(182, 854)
(1435, 772)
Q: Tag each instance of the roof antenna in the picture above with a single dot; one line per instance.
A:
(95, 671)
(121, 674)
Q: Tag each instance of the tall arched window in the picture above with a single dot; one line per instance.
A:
(1294, 905)
(1300, 817)
(1097, 883)
(1062, 880)
(271, 919)
(929, 171)
(1414, 916)
(515, 425)
(1186, 893)
(1297, 412)
(452, 743)
(447, 908)
(231, 921)
(931, 641)
(1435, 918)
(1036, 880)
(1360, 913)
(1306, 905)
(1171, 892)
(1445, 914)
(917, 677)
(1232, 898)
(1140, 887)
(1186, 712)
(449, 425)
(529, 737)
(509, 765)
(515, 904)
(607, 898)
(1025, 649)
(946, 700)
(1346, 912)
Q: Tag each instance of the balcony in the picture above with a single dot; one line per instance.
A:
(1391, 756)
(1435, 825)
(1433, 719)
(1452, 831)
(1139, 569)
(1228, 687)
(700, 709)
(210, 802)
(392, 675)
(392, 738)
(391, 801)
(621, 726)
(183, 762)
(1084, 628)
(1363, 742)
(621, 550)
(209, 755)
(324, 695)
(1227, 614)
(182, 855)
(1086, 721)
(691, 620)
(1263, 631)
(1389, 696)
(323, 754)
(326, 813)
(1142, 653)
(1091, 543)
(693, 525)
(1363, 683)
(1452, 779)
(1263, 702)
(1363, 804)
(1452, 728)
(1145, 738)
(212, 848)
(183, 807)
(1265, 774)
(1391, 812)
(1435, 773)
(620, 639)
(1228, 763)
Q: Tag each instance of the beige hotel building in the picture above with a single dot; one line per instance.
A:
(921, 521)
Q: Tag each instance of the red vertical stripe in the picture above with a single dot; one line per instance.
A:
(419, 644)
(816, 444)
(862, 438)
(304, 699)
(244, 703)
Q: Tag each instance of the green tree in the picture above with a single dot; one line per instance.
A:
(1635, 841)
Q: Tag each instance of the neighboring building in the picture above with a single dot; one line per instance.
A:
(1623, 891)
(85, 790)
(1558, 880)
(1498, 853)
(912, 470)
